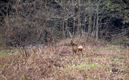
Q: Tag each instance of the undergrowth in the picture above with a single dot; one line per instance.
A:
(98, 62)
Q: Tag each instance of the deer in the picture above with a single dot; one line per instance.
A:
(75, 47)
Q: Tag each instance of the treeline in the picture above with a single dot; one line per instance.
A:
(41, 21)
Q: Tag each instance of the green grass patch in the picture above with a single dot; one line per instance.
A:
(4, 53)
(118, 59)
(83, 66)
(108, 48)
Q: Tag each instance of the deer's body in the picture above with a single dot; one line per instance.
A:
(76, 48)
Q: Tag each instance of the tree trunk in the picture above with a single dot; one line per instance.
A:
(97, 23)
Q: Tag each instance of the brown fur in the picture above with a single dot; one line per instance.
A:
(75, 47)
(73, 43)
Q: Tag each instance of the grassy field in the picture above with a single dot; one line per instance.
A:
(98, 62)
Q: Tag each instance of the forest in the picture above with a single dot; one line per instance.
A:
(64, 39)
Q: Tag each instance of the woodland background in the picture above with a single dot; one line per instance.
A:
(25, 22)
(35, 38)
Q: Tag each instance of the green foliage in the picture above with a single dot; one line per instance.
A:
(84, 66)
(4, 53)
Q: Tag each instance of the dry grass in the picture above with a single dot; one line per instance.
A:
(98, 62)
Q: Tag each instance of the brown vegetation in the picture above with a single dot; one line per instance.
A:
(49, 63)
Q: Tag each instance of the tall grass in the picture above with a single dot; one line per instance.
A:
(57, 62)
